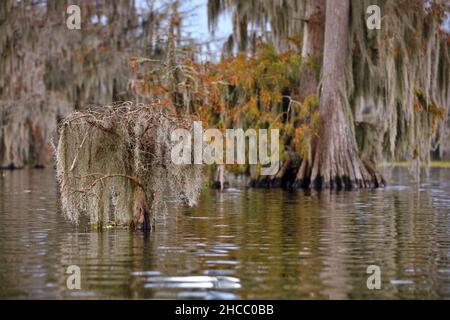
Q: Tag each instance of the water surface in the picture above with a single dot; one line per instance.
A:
(240, 243)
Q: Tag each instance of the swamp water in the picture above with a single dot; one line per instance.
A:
(237, 244)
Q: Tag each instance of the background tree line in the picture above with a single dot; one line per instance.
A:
(345, 97)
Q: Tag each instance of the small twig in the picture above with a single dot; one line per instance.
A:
(112, 175)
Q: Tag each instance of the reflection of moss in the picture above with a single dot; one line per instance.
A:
(102, 226)
(433, 164)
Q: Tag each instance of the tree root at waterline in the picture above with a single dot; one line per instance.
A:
(282, 179)
(351, 174)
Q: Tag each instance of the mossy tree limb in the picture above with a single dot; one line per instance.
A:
(122, 173)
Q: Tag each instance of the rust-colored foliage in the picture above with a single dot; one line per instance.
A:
(239, 92)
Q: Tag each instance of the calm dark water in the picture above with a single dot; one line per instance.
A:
(241, 243)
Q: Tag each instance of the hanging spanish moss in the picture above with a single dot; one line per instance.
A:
(400, 79)
(27, 126)
(277, 21)
(114, 165)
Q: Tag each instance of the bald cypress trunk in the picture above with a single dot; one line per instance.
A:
(336, 161)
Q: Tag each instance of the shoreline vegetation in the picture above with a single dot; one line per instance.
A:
(343, 96)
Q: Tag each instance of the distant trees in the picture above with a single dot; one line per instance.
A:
(345, 97)
(47, 70)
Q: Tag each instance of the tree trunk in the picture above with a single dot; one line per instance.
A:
(142, 216)
(220, 179)
(336, 161)
(312, 46)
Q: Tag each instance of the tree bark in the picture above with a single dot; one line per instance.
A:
(336, 160)
(312, 46)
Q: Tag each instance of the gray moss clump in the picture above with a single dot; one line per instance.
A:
(114, 164)
(399, 80)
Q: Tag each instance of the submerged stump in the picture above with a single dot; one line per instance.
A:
(114, 165)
